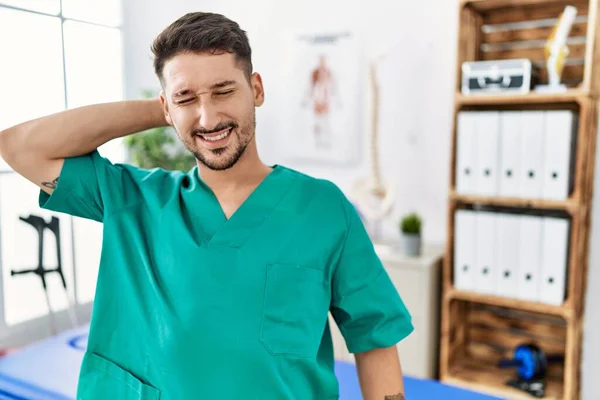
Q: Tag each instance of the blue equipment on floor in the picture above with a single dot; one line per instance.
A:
(48, 370)
(532, 367)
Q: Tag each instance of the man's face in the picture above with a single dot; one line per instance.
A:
(210, 103)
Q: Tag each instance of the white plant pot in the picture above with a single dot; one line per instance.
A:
(411, 244)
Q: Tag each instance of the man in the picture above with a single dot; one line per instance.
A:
(216, 283)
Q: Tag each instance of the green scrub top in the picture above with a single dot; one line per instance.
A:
(192, 305)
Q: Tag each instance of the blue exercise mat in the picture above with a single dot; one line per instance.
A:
(49, 369)
(46, 370)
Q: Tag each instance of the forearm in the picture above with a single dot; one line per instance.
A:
(380, 374)
(79, 131)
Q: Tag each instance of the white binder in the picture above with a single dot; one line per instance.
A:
(507, 254)
(510, 150)
(558, 139)
(530, 249)
(465, 152)
(485, 273)
(554, 260)
(464, 249)
(486, 155)
(531, 155)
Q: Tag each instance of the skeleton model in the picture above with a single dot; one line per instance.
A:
(374, 198)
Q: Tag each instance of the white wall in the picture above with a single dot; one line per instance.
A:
(416, 105)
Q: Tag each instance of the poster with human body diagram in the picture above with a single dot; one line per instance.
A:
(323, 107)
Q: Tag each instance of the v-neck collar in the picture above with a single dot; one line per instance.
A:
(235, 230)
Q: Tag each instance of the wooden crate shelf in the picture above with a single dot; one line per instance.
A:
(570, 97)
(564, 311)
(477, 329)
(480, 335)
(570, 206)
(480, 376)
(518, 8)
(503, 29)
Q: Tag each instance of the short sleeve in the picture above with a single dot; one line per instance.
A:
(366, 305)
(89, 186)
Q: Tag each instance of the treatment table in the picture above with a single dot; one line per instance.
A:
(48, 370)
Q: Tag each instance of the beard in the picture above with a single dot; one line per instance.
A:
(223, 158)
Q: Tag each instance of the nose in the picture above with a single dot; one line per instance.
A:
(209, 116)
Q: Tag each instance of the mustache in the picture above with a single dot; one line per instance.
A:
(220, 127)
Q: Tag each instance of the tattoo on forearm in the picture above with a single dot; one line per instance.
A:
(398, 396)
(51, 185)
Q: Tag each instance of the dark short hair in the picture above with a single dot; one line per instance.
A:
(200, 32)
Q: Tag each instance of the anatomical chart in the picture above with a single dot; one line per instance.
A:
(323, 92)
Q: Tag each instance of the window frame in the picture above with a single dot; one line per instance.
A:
(35, 329)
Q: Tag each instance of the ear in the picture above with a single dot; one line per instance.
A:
(257, 89)
(163, 101)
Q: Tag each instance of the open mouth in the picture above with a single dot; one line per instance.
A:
(216, 137)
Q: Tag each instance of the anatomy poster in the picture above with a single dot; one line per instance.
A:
(323, 91)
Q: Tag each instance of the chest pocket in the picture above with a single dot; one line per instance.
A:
(296, 303)
(102, 379)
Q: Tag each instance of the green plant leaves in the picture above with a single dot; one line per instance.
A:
(158, 148)
(411, 224)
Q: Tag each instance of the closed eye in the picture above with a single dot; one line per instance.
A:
(224, 93)
(184, 101)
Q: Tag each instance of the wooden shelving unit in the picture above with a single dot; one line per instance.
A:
(571, 96)
(514, 304)
(477, 329)
(570, 206)
(492, 379)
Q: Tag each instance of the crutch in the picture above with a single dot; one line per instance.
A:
(40, 225)
(54, 226)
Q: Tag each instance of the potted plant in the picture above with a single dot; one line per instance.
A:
(410, 230)
(159, 147)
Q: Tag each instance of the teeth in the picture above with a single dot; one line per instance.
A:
(215, 138)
